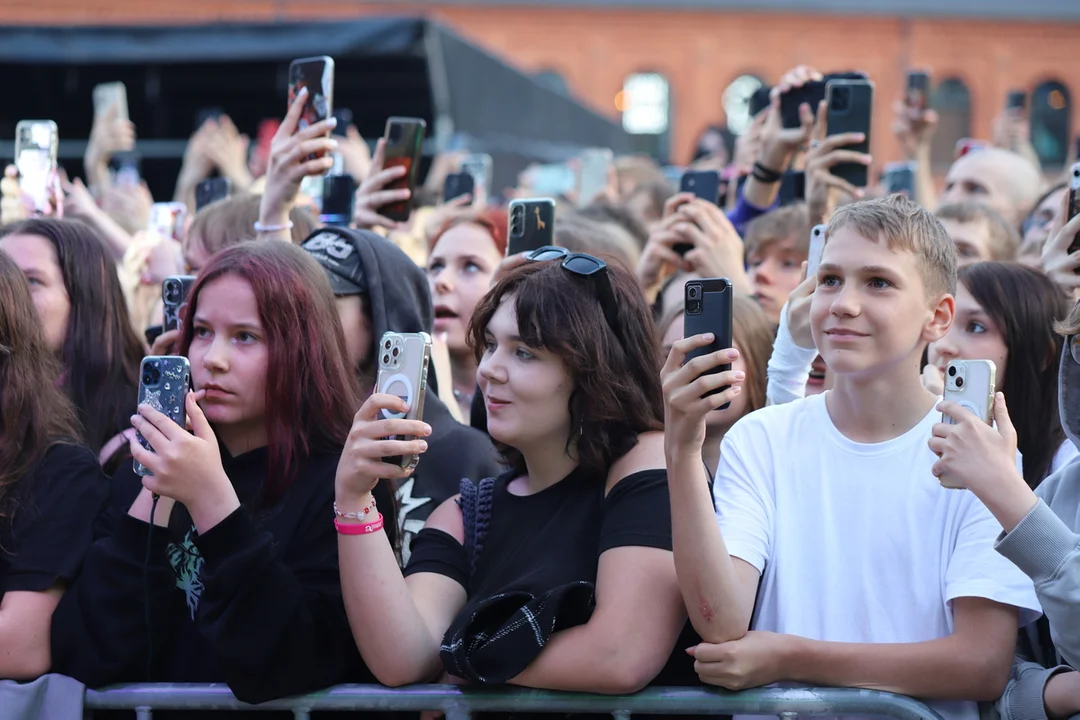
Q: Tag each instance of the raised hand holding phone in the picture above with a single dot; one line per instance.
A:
(1061, 253)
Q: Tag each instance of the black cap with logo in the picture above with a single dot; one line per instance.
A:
(340, 258)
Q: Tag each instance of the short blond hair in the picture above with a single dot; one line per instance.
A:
(792, 221)
(1070, 326)
(903, 225)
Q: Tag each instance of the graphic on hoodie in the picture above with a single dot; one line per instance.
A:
(187, 564)
(409, 527)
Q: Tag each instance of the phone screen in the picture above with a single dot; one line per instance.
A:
(167, 219)
(918, 90)
(593, 175)
(317, 75)
(35, 159)
(404, 145)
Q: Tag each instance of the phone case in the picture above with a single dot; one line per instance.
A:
(109, 94)
(36, 144)
(317, 75)
(1074, 205)
(708, 309)
(174, 298)
(167, 220)
(404, 146)
(403, 366)
(458, 184)
(918, 89)
(532, 225)
(164, 381)
(704, 184)
(850, 109)
(593, 175)
(970, 384)
(210, 191)
(817, 247)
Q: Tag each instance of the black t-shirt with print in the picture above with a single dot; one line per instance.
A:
(48, 523)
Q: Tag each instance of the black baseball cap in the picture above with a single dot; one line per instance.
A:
(340, 258)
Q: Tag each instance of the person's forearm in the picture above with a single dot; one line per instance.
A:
(117, 237)
(24, 647)
(707, 578)
(925, 192)
(943, 669)
(96, 169)
(762, 194)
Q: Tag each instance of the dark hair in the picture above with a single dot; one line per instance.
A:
(34, 413)
(101, 353)
(311, 392)
(617, 391)
(1024, 305)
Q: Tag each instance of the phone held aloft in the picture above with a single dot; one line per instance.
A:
(109, 95)
(850, 106)
(531, 225)
(703, 184)
(970, 384)
(403, 368)
(404, 147)
(708, 309)
(36, 145)
(317, 75)
(593, 172)
(164, 381)
(210, 191)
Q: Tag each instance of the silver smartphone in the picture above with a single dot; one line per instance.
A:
(164, 381)
(36, 145)
(107, 95)
(817, 248)
(403, 369)
(970, 384)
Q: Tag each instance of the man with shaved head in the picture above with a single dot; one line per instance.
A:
(1001, 179)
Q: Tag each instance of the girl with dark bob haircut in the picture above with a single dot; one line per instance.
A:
(577, 533)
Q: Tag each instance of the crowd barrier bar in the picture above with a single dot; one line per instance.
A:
(458, 702)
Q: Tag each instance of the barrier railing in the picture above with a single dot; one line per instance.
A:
(458, 702)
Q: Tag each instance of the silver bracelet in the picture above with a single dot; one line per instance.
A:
(259, 227)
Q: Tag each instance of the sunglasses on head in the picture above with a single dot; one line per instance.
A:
(585, 266)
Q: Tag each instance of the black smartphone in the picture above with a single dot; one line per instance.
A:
(759, 100)
(850, 107)
(1074, 206)
(917, 94)
(812, 93)
(704, 184)
(1016, 100)
(210, 191)
(207, 113)
(317, 75)
(164, 381)
(337, 200)
(404, 147)
(344, 117)
(899, 177)
(174, 296)
(458, 184)
(708, 309)
(792, 187)
(532, 225)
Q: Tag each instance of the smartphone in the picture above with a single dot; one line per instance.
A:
(344, 117)
(338, 192)
(1016, 100)
(970, 384)
(36, 144)
(403, 369)
(167, 219)
(480, 166)
(792, 187)
(704, 184)
(126, 168)
(404, 146)
(164, 381)
(107, 95)
(592, 179)
(850, 106)
(317, 75)
(899, 177)
(1074, 206)
(817, 248)
(553, 180)
(969, 145)
(708, 309)
(917, 95)
(760, 100)
(532, 225)
(458, 184)
(812, 93)
(210, 191)
(174, 298)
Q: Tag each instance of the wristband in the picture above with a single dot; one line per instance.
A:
(259, 227)
(359, 528)
(355, 515)
(766, 175)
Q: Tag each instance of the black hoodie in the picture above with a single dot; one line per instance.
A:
(399, 300)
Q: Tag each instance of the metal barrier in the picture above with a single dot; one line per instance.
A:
(459, 702)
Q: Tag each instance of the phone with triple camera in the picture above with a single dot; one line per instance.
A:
(164, 381)
(592, 179)
(167, 220)
(108, 95)
(404, 147)
(850, 107)
(36, 145)
(338, 193)
(403, 369)
(532, 225)
(917, 93)
(174, 298)
(704, 184)
(1074, 206)
(1016, 100)
(817, 249)
(970, 384)
(210, 191)
(709, 305)
(317, 75)
(458, 184)
(899, 177)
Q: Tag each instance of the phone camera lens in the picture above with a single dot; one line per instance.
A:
(952, 371)
(395, 352)
(386, 359)
(840, 98)
(959, 382)
(386, 344)
(693, 292)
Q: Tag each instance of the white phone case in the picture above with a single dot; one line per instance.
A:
(817, 247)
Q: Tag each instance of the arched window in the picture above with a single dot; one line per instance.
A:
(645, 104)
(553, 80)
(952, 101)
(1050, 123)
(736, 101)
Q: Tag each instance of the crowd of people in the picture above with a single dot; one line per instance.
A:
(591, 511)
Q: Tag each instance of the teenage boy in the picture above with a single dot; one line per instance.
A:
(1041, 534)
(866, 571)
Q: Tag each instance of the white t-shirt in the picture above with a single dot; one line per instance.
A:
(856, 542)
